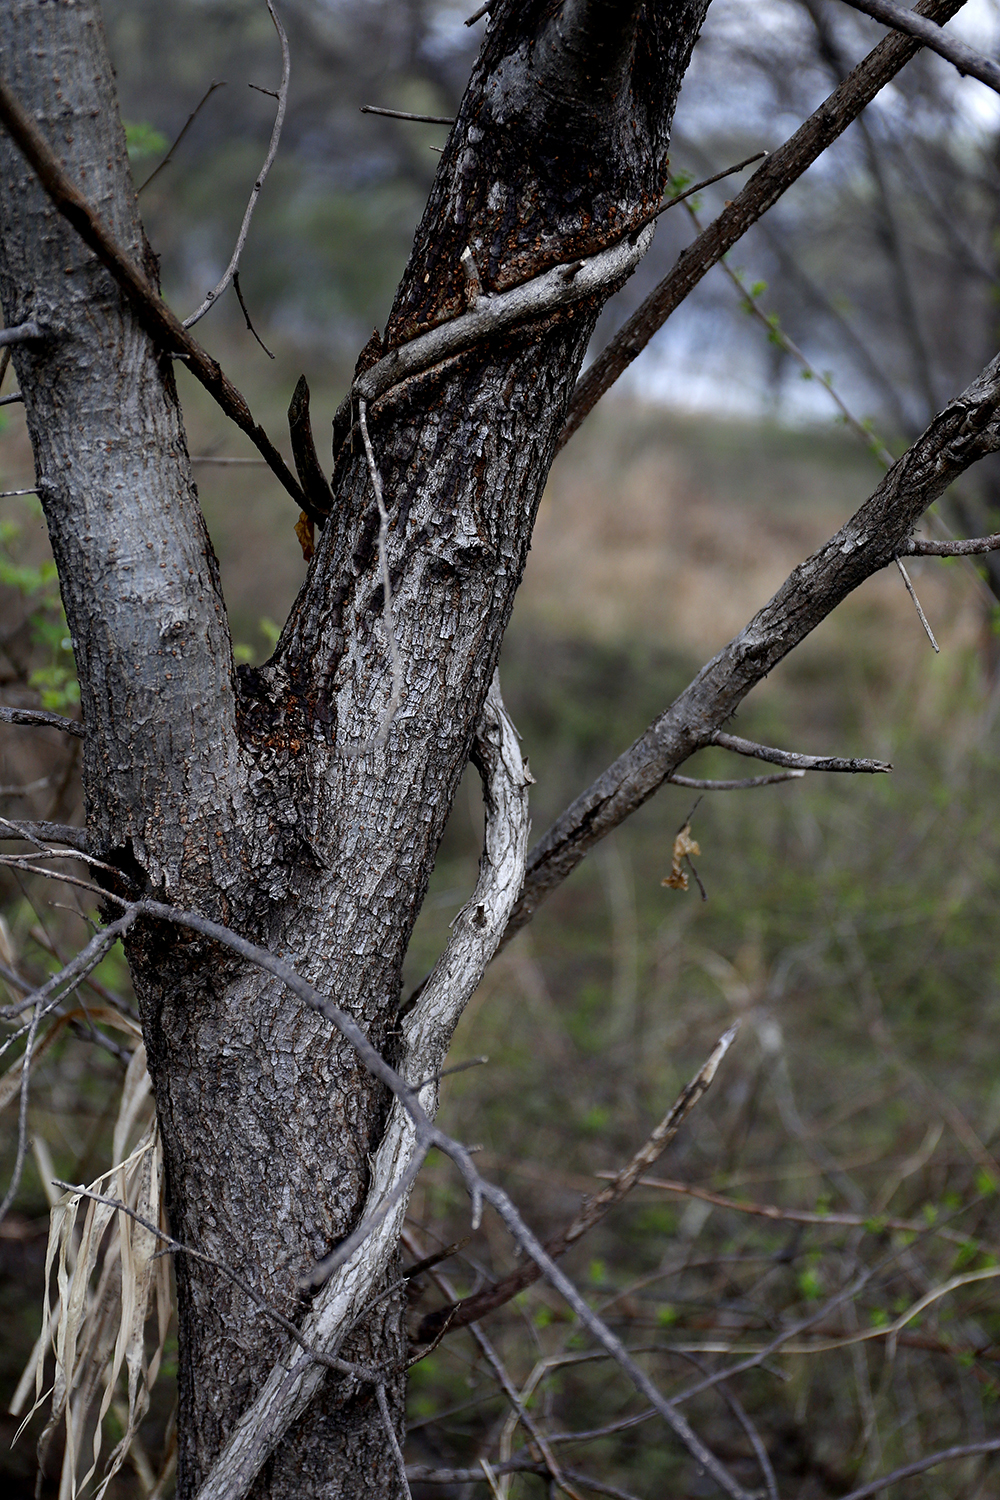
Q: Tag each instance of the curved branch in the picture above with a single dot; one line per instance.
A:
(272, 151)
(359, 1263)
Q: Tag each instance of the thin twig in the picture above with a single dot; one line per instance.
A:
(401, 114)
(499, 1369)
(272, 150)
(390, 1432)
(477, 15)
(12, 399)
(217, 83)
(149, 307)
(916, 604)
(752, 1435)
(42, 719)
(873, 1223)
(592, 1210)
(246, 315)
(968, 547)
(699, 785)
(395, 663)
(22, 1114)
(964, 58)
(707, 182)
(947, 1455)
(799, 762)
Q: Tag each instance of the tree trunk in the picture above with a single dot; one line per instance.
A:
(268, 800)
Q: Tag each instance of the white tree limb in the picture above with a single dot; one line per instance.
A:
(427, 1034)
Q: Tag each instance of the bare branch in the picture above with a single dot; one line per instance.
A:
(50, 833)
(697, 187)
(478, 15)
(734, 786)
(964, 58)
(917, 605)
(24, 333)
(390, 1432)
(834, 1219)
(150, 309)
(217, 83)
(970, 547)
(401, 114)
(42, 719)
(591, 1212)
(272, 151)
(965, 431)
(782, 168)
(11, 400)
(947, 1455)
(799, 762)
(246, 314)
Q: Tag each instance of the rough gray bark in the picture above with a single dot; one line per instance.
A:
(265, 802)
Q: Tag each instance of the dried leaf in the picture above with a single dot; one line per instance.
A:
(684, 845)
(97, 1331)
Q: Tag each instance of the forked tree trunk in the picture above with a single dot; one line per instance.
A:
(265, 800)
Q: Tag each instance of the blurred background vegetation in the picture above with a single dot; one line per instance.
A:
(850, 923)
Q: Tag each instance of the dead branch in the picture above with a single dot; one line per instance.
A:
(272, 151)
(39, 833)
(307, 464)
(41, 717)
(917, 605)
(152, 312)
(495, 312)
(699, 785)
(781, 169)
(401, 114)
(964, 58)
(799, 762)
(970, 547)
(592, 1210)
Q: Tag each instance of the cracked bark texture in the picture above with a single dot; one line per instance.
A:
(259, 800)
